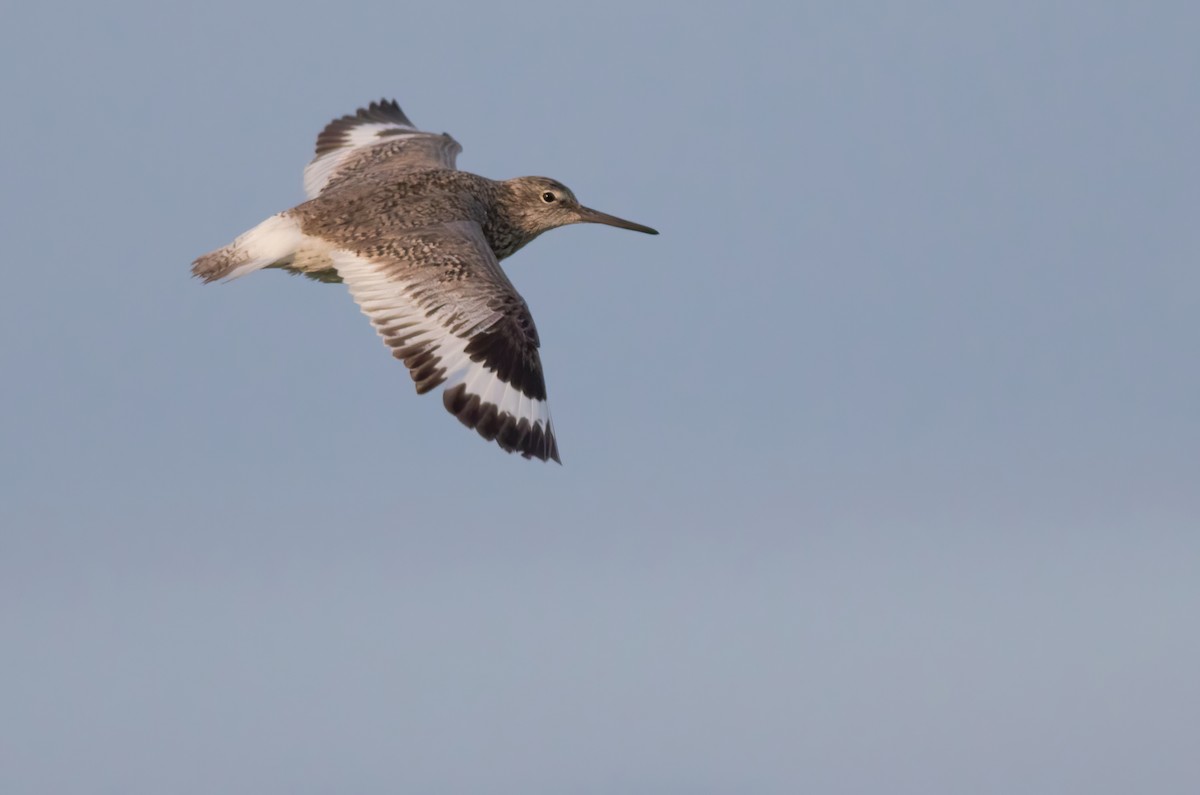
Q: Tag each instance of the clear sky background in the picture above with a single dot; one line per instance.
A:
(882, 462)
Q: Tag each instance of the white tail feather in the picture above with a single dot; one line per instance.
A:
(277, 238)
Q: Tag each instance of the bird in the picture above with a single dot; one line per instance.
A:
(419, 243)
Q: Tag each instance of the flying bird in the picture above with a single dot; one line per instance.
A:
(419, 244)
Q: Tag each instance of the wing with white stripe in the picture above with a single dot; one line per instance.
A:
(375, 141)
(454, 318)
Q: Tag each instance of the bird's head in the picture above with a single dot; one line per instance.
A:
(543, 204)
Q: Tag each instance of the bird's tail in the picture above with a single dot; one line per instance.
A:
(275, 239)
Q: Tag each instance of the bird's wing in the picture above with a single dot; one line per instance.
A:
(440, 301)
(377, 140)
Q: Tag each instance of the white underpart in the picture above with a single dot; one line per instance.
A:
(383, 301)
(276, 238)
(318, 173)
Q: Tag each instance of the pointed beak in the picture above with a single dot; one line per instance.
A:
(589, 216)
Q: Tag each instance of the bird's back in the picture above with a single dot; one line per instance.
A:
(367, 211)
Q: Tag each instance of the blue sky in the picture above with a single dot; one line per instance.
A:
(880, 462)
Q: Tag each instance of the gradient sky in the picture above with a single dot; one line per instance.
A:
(881, 461)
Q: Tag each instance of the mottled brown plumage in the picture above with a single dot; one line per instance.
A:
(419, 243)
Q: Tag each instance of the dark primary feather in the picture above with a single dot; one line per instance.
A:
(385, 111)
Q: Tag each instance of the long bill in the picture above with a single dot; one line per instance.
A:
(589, 216)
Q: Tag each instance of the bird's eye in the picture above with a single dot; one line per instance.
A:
(548, 197)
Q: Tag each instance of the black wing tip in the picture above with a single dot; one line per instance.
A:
(383, 110)
(511, 434)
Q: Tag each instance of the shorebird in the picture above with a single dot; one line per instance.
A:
(419, 244)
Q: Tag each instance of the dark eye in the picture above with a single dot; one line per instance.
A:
(548, 197)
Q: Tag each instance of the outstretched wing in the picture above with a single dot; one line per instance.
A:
(378, 140)
(440, 301)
